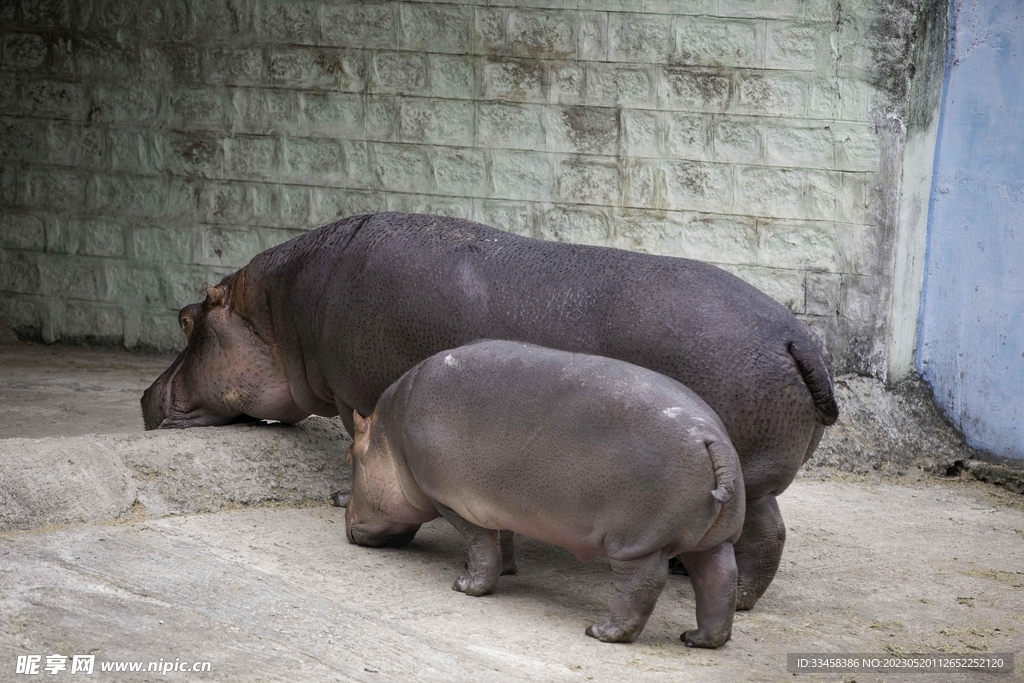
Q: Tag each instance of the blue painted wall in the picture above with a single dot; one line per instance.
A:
(971, 337)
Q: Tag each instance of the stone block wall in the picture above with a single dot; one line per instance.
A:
(148, 146)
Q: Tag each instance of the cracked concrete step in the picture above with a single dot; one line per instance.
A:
(64, 480)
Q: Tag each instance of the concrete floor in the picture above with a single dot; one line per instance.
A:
(216, 545)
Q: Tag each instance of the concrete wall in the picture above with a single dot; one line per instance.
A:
(972, 324)
(147, 146)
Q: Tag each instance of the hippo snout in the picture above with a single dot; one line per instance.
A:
(153, 405)
(360, 534)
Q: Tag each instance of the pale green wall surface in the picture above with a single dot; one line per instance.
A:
(146, 147)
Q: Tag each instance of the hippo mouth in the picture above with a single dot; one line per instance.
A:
(360, 535)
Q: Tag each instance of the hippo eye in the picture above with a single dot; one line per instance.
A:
(186, 324)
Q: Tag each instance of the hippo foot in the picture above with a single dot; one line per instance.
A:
(473, 585)
(609, 632)
(698, 638)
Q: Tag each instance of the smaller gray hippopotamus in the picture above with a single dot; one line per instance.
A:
(596, 455)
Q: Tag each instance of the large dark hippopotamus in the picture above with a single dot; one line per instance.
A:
(324, 323)
(598, 456)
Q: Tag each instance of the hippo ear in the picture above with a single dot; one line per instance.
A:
(215, 295)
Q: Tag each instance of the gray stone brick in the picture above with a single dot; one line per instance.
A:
(593, 130)
(196, 109)
(188, 154)
(382, 118)
(19, 271)
(99, 237)
(399, 73)
(286, 21)
(24, 52)
(643, 183)
(452, 76)
(272, 238)
(361, 24)
(522, 175)
(517, 80)
(76, 145)
(777, 94)
(538, 33)
(247, 111)
(798, 46)
(640, 38)
(824, 100)
(701, 7)
(697, 186)
(160, 332)
(330, 114)
(688, 89)
(8, 185)
(53, 190)
(519, 218)
(99, 57)
(235, 66)
(593, 36)
(55, 99)
(124, 104)
(716, 42)
(121, 195)
(857, 297)
(652, 232)
(490, 27)
(800, 245)
(132, 285)
(251, 158)
(279, 112)
(511, 126)
(22, 231)
(129, 151)
(170, 21)
(854, 198)
(182, 198)
(460, 172)
(857, 147)
(231, 248)
(91, 322)
(567, 82)
(641, 132)
(71, 277)
(799, 144)
(330, 205)
(776, 9)
(738, 140)
(718, 238)
(858, 248)
(589, 181)
(688, 136)
(180, 65)
(10, 101)
(161, 244)
(785, 286)
(22, 139)
(771, 192)
(359, 171)
(402, 168)
(220, 19)
(56, 13)
(822, 293)
(313, 161)
(433, 205)
(437, 28)
(576, 224)
(295, 207)
(632, 85)
(318, 69)
(824, 191)
(447, 122)
(23, 314)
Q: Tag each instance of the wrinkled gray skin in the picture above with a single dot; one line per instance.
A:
(595, 455)
(323, 324)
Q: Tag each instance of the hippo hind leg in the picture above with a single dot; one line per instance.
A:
(713, 573)
(638, 583)
(759, 550)
(485, 554)
(508, 553)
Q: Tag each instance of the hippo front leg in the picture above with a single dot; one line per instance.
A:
(638, 583)
(340, 498)
(758, 550)
(485, 557)
(713, 574)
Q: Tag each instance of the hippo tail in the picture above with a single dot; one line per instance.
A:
(814, 368)
(727, 465)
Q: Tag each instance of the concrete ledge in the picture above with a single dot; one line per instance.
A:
(99, 477)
